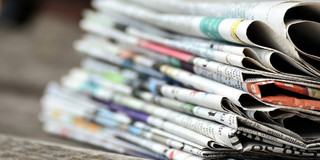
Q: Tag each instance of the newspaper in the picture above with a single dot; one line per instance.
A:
(223, 118)
(287, 18)
(296, 153)
(231, 120)
(119, 59)
(215, 102)
(153, 118)
(274, 13)
(71, 121)
(212, 87)
(223, 57)
(172, 143)
(294, 29)
(242, 73)
(110, 17)
(154, 89)
(268, 58)
(211, 54)
(224, 137)
(253, 88)
(119, 35)
(110, 123)
(304, 113)
(236, 84)
(149, 135)
(168, 126)
(259, 127)
(173, 116)
(142, 117)
(205, 84)
(243, 31)
(287, 100)
(138, 131)
(112, 73)
(254, 56)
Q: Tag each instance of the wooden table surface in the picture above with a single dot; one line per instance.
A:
(21, 148)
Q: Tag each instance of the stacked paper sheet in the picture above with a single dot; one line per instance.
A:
(176, 79)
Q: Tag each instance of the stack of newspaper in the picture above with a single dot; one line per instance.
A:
(176, 79)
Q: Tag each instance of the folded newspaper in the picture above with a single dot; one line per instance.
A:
(177, 79)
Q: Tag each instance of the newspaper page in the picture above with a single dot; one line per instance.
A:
(236, 96)
(224, 137)
(244, 31)
(266, 57)
(237, 84)
(105, 119)
(264, 130)
(209, 53)
(203, 52)
(149, 135)
(231, 120)
(170, 127)
(211, 114)
(178, 118)
(257, 74)
(287, 18)
(241, 128)
(120, 59)
(73, 121)
(298, 89)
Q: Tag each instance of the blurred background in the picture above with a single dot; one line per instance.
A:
(36, 38)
